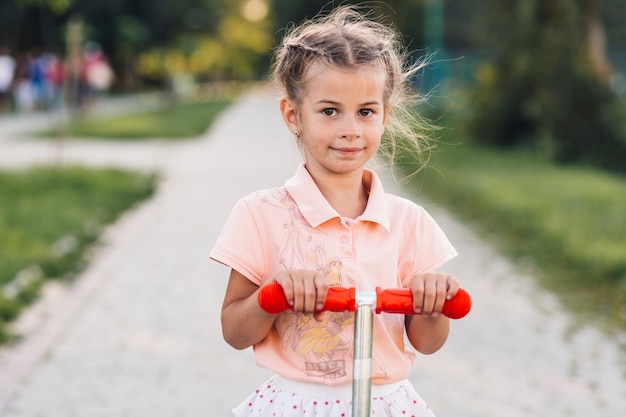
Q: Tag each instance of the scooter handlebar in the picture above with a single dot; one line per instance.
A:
(396, 300)
(400, 300)
(272, 299)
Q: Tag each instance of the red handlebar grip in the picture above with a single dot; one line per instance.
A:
(396, 300)
(400, 300)
(272, 299)
(458, 306)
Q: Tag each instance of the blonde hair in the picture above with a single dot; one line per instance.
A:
(348, 39)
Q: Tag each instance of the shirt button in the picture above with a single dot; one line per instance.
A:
(344, 239)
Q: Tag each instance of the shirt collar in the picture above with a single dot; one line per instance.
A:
(316, 210)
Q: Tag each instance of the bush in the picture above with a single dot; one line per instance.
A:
(538, 90)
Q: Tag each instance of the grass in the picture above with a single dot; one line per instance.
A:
(183, 120)
(48, 218)
(570, 222)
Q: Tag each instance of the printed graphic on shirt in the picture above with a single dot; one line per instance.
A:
(325, 346)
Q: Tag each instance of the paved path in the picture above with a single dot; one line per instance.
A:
(139, 334)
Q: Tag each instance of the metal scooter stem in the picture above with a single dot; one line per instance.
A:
(396, 300)
(362, 371)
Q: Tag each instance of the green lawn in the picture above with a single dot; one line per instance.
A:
(570, 222)
(180, 121)
(48, 217)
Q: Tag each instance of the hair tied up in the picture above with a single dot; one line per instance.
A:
(298, 46)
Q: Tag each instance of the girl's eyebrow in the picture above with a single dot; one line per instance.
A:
(327, 101)
(372, 103)
(336, 103)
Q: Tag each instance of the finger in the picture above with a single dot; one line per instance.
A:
(440, 297)
(417, 288)
(299, 291)
(321, 290)
(310, 293)
(452, 287)
(430, 296)
(284, 280)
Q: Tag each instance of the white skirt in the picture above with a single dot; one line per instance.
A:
(280, 397)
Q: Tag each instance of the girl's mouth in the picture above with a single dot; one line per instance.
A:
(347, 151)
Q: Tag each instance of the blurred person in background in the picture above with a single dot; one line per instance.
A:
(23, 86)
(37, 74)
(54, 79)
(96, 73)
(7, 72)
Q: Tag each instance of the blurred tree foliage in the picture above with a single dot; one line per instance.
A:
(205, 38)
(407, 15)
(56, 6)
(545, 83)
(219, 38)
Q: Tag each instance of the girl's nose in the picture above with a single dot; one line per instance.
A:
(350, 128)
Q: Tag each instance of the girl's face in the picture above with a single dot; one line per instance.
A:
(340, 118)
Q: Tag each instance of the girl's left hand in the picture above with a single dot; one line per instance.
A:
(431, 290)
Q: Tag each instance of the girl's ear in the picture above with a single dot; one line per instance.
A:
(386, 114)
(290, 115)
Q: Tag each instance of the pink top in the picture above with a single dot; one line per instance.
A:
(294, 227)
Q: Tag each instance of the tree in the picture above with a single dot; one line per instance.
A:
(541, 89)
(176, 29)
(596, 40)
(56, 6)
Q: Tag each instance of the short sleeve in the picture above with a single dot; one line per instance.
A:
(240, 245)
(426, 246)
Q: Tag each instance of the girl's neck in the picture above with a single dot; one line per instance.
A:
(346, 194)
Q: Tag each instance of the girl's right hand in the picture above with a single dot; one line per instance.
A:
(304, 289)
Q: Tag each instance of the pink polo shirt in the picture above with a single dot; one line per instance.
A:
(294, 227)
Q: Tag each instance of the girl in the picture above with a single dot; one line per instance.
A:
(332, 224)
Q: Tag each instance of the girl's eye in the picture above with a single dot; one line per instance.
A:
(329, 112)
(365, 112)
